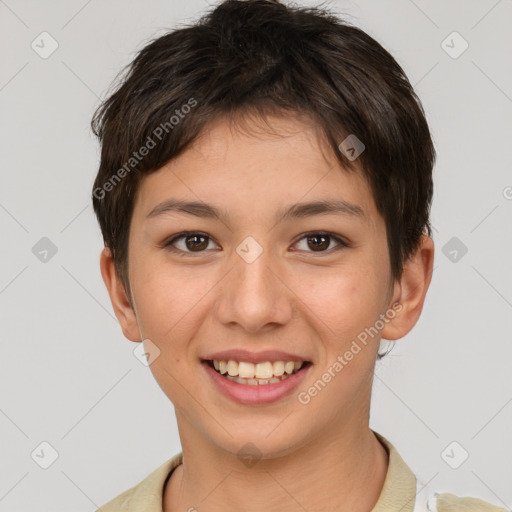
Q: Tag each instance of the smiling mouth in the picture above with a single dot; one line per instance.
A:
(256, 374)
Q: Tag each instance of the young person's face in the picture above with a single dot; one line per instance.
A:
(308, 299)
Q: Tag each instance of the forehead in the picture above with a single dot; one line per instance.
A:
(257, 165)
(244, 135)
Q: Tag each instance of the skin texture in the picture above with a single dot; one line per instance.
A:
(313, 303)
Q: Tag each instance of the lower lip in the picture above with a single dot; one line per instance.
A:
(258, 394)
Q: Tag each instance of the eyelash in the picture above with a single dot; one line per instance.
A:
(184, 234)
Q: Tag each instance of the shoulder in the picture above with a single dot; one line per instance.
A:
(147, 495)
(118, 503)
(447, 502)
(428, 501)
(403, 487)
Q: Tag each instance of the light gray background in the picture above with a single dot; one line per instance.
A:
(69, 377)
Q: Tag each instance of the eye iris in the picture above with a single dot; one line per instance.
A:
(322, 245)
(195, 245)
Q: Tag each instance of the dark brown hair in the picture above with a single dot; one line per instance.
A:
(264, 57)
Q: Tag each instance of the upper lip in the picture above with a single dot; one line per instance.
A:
(254, 357)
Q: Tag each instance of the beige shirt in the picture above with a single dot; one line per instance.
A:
(401, 491)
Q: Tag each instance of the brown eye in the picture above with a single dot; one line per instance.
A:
(196, 242)
(188, 242)
(320, 242)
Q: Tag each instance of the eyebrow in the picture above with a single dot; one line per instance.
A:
(298, 210)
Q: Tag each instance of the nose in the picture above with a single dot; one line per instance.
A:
(254, 296)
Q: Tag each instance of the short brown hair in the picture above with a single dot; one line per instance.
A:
(264, 57)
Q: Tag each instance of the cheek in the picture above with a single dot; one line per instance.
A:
(164, 297)
(345, 300)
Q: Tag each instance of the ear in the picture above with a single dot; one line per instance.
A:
(122, 307)
(410, 291)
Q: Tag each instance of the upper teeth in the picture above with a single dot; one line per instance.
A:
(264, 370)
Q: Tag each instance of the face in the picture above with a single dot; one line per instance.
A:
(259, 277)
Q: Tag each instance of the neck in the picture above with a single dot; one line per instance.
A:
(342, 470)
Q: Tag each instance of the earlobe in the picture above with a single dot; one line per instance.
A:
(120, 303)
(411, 290)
